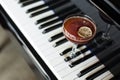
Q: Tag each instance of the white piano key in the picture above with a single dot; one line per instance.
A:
(73, 74)
(44, 58)
(61, 48)
(15, 12)
(16, 1)
(61, 67)
(54, 32)
(56, 45)
(39, 9)
(57, 61)
(21, 13)
(79, 67)
(34, 28)
(55, 23)
(37, 38)
(40, 36)
(49, 20)
(33, 31)
(57, 51)
(108, 77)
(92, 72)
(82, 47)
(81, 56)
(25, 1)
(79, 49)
(103, 75)
(40, 16)
(53, 56)
(32, 5)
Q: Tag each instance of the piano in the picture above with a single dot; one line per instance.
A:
(37, 24)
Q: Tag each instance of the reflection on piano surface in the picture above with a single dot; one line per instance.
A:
(40, 21)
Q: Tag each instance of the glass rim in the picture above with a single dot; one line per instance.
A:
(86, 18)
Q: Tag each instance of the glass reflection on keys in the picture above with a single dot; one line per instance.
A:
(78, 30)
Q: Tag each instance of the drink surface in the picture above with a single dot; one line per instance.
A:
(79, 29)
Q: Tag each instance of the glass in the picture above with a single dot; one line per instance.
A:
(109, 22)
(78, 30)
(106, 35)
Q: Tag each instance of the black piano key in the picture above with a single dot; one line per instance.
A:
(104, 45)
(39, 12)
(76, 54)
(96, 74)
(79, 46)
(116, 69)
(108, 63)
(21, 1)
(98, 34)
(66, 51)
(45, 18)
(108, 56)
(89, 46)
(55, 5)
(47, 3)
(94, 51)
(63, 8)
(85, 71)
(52, 28)
(80, 60)
(55, 36)
(111, 63)
(34, 8)
(96, 42)
(103, 59)
(82, 51)
(62, 15)
(61, 3)
(72, 11)
(50, 23)
(116, 72)
(116, 78)
(29, 2)
(60, 42)
(47, 24)
(69, 57)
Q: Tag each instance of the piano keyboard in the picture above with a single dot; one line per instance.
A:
(41, 23)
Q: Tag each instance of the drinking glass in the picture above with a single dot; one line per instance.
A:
(78, 29)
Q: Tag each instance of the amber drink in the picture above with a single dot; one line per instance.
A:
(78, 29)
